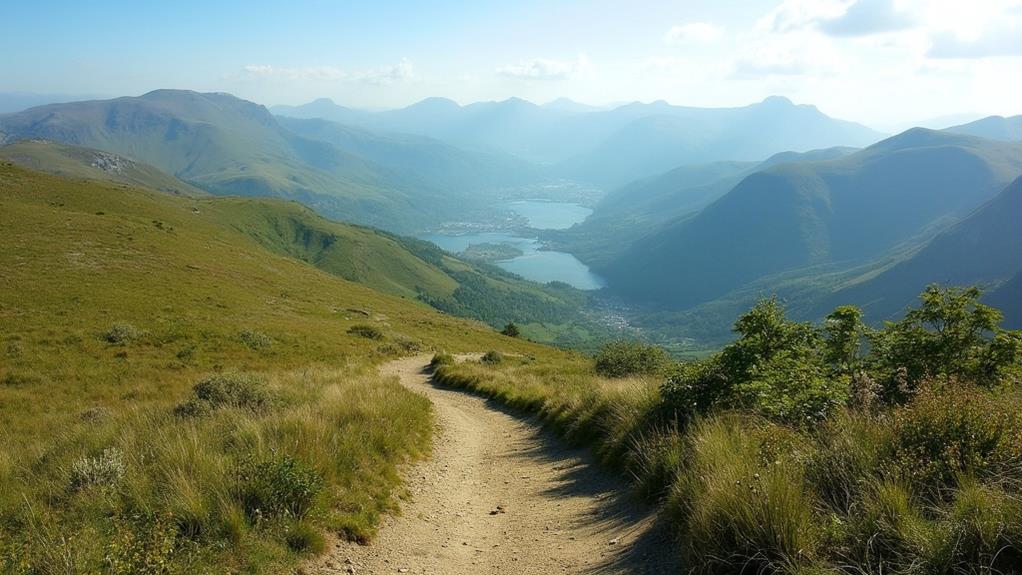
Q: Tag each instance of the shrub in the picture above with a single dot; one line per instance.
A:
(302, 537)
(492, 357)
(103, 470)
(440, 360)
(510, 330)
(122, 333)
(776, 368)
(226, 390)
(279, 486)
(255, 340)
(949, 334)
(366, 331)
(624, 358)
(952, 430)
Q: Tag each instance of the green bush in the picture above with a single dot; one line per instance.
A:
(255, 340)
(227, 390)
(492, 357)
(278, 487)
(366, 331)
(103, 470)
(440, 360)
(776, 367)
(122, 333)
(625, 358)
(952, 430)
(949, 334)
(511, 330)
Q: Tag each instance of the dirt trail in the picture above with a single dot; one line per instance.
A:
(499, 495)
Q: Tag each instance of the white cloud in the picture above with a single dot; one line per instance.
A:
(401, 71)
(699, 32)
(546, 69)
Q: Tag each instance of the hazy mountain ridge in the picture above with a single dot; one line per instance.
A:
(993, 127)
(610, 147)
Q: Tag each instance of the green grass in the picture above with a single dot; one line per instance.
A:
(114, 305)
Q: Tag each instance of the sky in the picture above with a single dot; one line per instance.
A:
(882, 62)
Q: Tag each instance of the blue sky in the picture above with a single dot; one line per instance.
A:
(878, 61)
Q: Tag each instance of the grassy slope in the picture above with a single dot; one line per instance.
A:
(387, 263)
(75, 162)
(80, 257)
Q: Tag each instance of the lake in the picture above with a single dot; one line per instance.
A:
(534, 264)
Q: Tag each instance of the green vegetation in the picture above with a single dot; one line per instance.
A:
(491, 357)
(180, 399)
(801, 449)
(625, 358)
(511, 330)
(490, 252)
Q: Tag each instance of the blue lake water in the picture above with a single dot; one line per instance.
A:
(534, 264)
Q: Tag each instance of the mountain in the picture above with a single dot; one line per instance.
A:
(993, 127)
(1008, 299)
(18, 101)
(441, 165)
(640, 208)
(226, 145)
(571, 106)
(795, 215)
(674, 136)
(75, 162)
(609, 147)
(983, 249)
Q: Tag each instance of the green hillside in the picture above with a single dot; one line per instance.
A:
(77, 162)
(114, 303)
(642, 207)
(983, 249)
(795, 215)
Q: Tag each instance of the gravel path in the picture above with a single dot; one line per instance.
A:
(499, 495)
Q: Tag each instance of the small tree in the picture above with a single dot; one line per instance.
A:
(951, 334)
(511, 330)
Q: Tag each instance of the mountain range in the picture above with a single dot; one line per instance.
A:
(609, 147)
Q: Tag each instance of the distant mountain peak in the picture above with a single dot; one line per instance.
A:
(777, 101)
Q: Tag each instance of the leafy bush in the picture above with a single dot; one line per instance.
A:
(776, 367)
(492, 357)
(624, 358)
(366, 331)
(255, 340)
(122, 333)
(227, 390)
(511, 330)
(279, 486)
(441, 359)
(949, 334)
(952, 431)
(103, 470)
